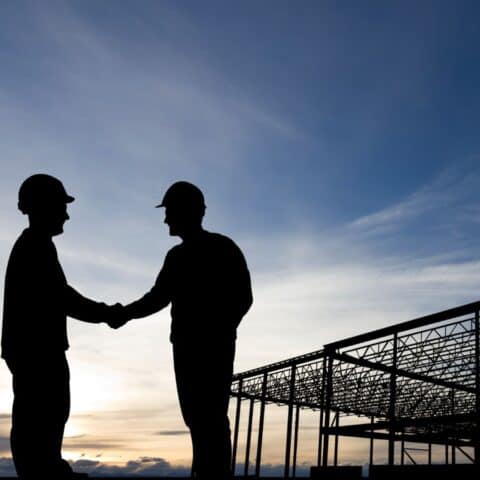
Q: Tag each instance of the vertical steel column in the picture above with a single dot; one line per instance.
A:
(322, 408)
(335, 450)
(320, 435)
(237, 426)
(446, 453)
(452, 395)
(295, 441)
(402, 456)
(393, 399)
(429, 453)
(477, 388)
(260, 425)
(249, 437)
(328, 402)
(291, 399)
(371, 442)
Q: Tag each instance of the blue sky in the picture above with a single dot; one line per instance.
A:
(336, 142)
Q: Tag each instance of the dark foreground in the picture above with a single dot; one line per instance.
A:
(399, 472)
(376, 472)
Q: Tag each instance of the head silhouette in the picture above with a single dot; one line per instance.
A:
(184, 209)
(44, 199)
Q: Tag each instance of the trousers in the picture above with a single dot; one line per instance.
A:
(203, 376)
(41, 407)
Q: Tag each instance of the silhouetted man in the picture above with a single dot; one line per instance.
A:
(206, 280)
(34, 335)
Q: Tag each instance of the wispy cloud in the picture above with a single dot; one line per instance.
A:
(80, 443)
(451, 188)
(118, 117)
(359, 275)
(172, 433)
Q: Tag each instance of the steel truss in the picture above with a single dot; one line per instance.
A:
(417, 381)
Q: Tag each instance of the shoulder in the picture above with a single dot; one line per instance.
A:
(174, 254)
(24, 246)
(29, 242)
(225, 245)
(221, 241)
(23, 241)
(27, 253)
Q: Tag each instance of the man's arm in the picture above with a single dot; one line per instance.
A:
(157, 298)
(85, 309)
(152, 302)
(242, 287)
(237, 287)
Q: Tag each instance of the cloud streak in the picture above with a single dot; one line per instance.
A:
(172, 433)
(451, 188)
(118, 117)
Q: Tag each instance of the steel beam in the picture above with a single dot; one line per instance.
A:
(466, 454)
(236, 428)
(289, 362)
(344, 357)
(406, 422)
(371, 442)
(320, 436)
(249, 438)
(295, 442)
(327, 403)
(261, 423)
(288, 445)
(413, 438)
(392, 403)
(335, 450)
(470, 308)
(477, 386)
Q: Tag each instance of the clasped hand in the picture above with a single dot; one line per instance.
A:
(115, 316)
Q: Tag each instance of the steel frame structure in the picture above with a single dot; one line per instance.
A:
(417, 381)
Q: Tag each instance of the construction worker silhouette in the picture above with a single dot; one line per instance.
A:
(206, 280)
(34, 334)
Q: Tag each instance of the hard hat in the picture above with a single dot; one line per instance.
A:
(41, 189)
(183, 194)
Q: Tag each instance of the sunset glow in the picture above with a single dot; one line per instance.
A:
(336, 143)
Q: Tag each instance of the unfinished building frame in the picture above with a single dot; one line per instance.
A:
(417, 381)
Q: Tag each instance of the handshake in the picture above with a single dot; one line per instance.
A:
(115, 315)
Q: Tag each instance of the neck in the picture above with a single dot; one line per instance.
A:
(192, 233)
(39, 229)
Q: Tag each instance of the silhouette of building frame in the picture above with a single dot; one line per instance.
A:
(417, 381)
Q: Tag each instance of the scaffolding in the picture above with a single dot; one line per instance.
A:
(417, 381)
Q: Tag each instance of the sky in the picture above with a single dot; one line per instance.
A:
(336, 142)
